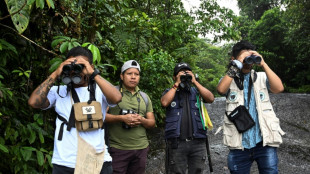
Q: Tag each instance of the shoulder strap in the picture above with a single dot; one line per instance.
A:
(144, 96)
(249, 92)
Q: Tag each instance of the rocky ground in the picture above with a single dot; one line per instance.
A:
(293, 110)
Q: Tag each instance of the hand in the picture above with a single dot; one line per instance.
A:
(132, 120)
(178, 77)
(247, 53)
(262, 63)
(193, 76)
(58, 71)
(88, 70)
(137, 120)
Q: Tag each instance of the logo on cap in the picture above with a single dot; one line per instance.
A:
(182, 64)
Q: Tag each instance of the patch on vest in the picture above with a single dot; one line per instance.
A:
(173, 104)
(262, 96)
(196, 104)
(232, 96)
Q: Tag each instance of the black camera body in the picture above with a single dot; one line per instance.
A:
(124, 112)
(186, 81)
(252, 59)
(66, 73)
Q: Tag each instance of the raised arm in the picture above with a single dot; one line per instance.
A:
(275, 82)
(204, 92)
(109, 91)
(38, 98)
(224, 84)
(112, 94)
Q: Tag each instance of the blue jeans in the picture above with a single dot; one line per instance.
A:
(240, 161)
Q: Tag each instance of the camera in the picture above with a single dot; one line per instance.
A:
(186, 81)
(252, 59)
(66, 73)
(124, 112)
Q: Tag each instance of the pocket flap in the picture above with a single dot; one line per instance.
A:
(172, 119)
(84, 111)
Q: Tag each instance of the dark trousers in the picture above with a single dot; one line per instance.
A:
(58, 169)
(186, 156)
(128, 161)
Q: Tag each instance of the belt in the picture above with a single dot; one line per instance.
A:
(187, 139)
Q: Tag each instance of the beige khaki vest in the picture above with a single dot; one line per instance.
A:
(269, 123)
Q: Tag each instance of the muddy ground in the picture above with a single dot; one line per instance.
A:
(293, 110)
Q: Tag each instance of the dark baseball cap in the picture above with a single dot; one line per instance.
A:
(180, 66)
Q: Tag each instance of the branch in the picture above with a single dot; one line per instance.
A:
(30, 40)
(14, 12)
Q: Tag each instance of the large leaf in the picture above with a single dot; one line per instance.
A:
(50, 4)
(4, 148)
(20, 19)
(26, 153)
(96, 53)
(40, 158)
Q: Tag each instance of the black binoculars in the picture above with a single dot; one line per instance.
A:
(76, 69)
(185, 82)
(252, 59)
(124, 112)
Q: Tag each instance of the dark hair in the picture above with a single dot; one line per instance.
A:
(242, 45)
(81, 51)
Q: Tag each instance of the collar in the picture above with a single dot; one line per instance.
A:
(137, 89)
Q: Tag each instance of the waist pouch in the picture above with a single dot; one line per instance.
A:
(241, 118)
(88, 116)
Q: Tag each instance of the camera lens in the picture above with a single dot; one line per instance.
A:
(76, 79)
(66, 79)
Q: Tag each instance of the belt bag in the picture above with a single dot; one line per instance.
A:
(241, 118)
(88, 116)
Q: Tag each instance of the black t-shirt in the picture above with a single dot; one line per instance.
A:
(186, 119)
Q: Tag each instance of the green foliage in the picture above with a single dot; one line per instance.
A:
(159, 65)
(281, 36)
(255, 9)
(213, 19)
(64, 43)
(20, 13)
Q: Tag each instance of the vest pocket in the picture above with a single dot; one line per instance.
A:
(172, 121)
(231, 137)
(273, 130)
(198, 119)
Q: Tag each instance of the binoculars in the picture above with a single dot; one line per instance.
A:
(252, 59)
(124, 112)
(71, 73)
(186, 81)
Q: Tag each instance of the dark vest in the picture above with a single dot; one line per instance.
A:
(174, 114)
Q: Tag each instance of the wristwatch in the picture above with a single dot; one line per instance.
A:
(93, 75)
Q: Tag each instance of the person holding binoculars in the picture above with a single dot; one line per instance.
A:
(127, 123)
(78, 75)
(246, 88)
(185, 137)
